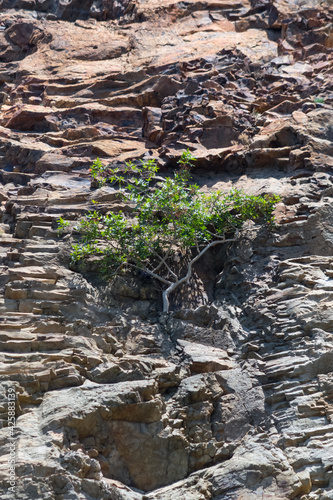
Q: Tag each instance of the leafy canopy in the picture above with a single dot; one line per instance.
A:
(172, 221)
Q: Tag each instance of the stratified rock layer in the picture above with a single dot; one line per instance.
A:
(231, 395)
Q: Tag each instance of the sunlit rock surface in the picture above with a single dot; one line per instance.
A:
(231, 395)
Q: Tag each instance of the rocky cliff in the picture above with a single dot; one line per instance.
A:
(230, 396)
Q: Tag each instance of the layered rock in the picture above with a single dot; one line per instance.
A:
(229, 396)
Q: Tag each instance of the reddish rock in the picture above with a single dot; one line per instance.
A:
(230, 395)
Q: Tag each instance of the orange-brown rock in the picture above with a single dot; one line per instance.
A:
(231, 394)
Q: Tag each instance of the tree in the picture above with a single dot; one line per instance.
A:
(172, 222)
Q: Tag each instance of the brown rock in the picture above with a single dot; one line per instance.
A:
(231, 394)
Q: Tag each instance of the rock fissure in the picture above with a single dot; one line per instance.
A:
(230, 394)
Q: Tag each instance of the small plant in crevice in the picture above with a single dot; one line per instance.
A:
(172, 224)
(318, 100)
(62, 224)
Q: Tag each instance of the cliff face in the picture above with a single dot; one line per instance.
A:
(231, 395)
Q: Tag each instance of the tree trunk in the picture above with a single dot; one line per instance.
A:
(166, 303)
(176, 284)
(166, 293)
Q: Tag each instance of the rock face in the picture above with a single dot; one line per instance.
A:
(71, 10)
(231, 395)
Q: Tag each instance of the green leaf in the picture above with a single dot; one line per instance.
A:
(171, 217)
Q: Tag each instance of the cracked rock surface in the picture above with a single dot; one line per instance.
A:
(230, 396)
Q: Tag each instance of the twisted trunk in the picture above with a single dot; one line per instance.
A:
(166, 293)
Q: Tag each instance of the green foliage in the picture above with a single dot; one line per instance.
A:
(172, 219)
(186, 159)
(146, 172)
(62, 224)
(319, 100)
(97, 169)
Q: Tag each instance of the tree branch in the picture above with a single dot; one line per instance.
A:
(151, 273)
(176, 284)
(163, 262)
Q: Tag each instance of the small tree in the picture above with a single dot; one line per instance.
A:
(172, 222)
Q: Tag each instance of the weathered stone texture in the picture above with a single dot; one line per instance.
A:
(231, 395)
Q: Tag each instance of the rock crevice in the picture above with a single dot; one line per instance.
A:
(230, 395)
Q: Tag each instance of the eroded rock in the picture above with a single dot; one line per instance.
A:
(230, 395)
